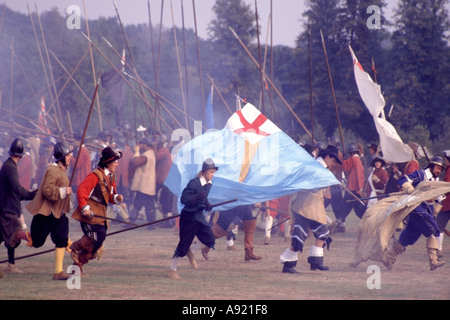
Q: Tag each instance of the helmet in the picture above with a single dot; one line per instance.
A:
(334, 141)
(60, 150)
(17, 148)
(320, 145)
(436, 160)
(352, 147)
(209, 164)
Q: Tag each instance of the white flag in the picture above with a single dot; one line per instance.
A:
(390, 142)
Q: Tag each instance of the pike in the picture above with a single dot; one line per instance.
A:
(164, 219)
(117, 220)
(85, 129)
(118, 231)
(271, 83)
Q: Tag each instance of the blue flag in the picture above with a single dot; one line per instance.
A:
(270, 168)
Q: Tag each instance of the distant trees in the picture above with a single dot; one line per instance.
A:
(411, 58)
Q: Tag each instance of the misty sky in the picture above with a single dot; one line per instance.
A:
(287, 14)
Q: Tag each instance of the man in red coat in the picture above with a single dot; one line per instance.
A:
(84, 165)
(94, 194)
(354, 171)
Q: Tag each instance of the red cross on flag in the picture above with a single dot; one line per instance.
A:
(253, 126)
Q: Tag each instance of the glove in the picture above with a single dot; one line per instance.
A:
(208, 206)
(86, 212)
(408, 187)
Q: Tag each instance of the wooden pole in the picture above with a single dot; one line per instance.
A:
(332, 91)
(179, 65)
(310, 81)
(271, 84)
(84, 131)
(92, 65)
(259, 59)
(198, 60)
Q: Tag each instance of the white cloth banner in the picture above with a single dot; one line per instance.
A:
(390, 142)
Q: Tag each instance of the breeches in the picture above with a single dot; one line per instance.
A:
(300, 231)
(228, 216)
(419, 222)
(188, 230)
(96, 232)
(58, 229)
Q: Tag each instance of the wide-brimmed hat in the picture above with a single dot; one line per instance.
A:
(109, 155)
(383, 163)
(209, 164)
(331, 151)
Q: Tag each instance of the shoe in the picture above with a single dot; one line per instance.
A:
(317, 263)
(249, 255)
(266, 241)
(61, 276)
(191, 258)
(29, 240)
(205, 252)
(13, 269)
(172, 274)
(288, 267)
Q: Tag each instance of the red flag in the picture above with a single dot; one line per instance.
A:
(42, 120)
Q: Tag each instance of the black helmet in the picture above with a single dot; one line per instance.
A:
(60, 150)
(436, 160)
(17, 148)
(352, 147)
(209, 164)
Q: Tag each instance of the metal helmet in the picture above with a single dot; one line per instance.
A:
(320, 145)
(60, 150)
(17, 148)
(436, 160)
(334, 141)
(352, 147)
(209, 164)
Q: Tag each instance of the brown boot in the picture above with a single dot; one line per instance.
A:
(205, 252)
(432, 245)
(392, 253)
(249, 230)
(218, 231)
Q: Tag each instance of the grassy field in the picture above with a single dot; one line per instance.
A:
(135, 263)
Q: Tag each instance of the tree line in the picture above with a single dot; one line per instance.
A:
(407, 56)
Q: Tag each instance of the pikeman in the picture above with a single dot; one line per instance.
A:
(94, 193)
(309, 214)
(11, 193)
(50, 206)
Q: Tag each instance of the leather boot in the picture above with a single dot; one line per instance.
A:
(249, 230)
(82, 250)
(317, 263)
(218, 231)
(392, 253)
(432, 245)
(289, 267)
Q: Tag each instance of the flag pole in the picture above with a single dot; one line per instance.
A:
(310, 80)
(332, 91)
(198, 60)
(218, 92)
(271, 83)
(179, 65)
(259, 59)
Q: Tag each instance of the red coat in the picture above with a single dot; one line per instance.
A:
(354, 170)
(163, 164)
(24, 171)
(83, 166)
(122, 172)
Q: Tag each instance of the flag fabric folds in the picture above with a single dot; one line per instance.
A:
(379, 222)
(257, 162)
(390, 142)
